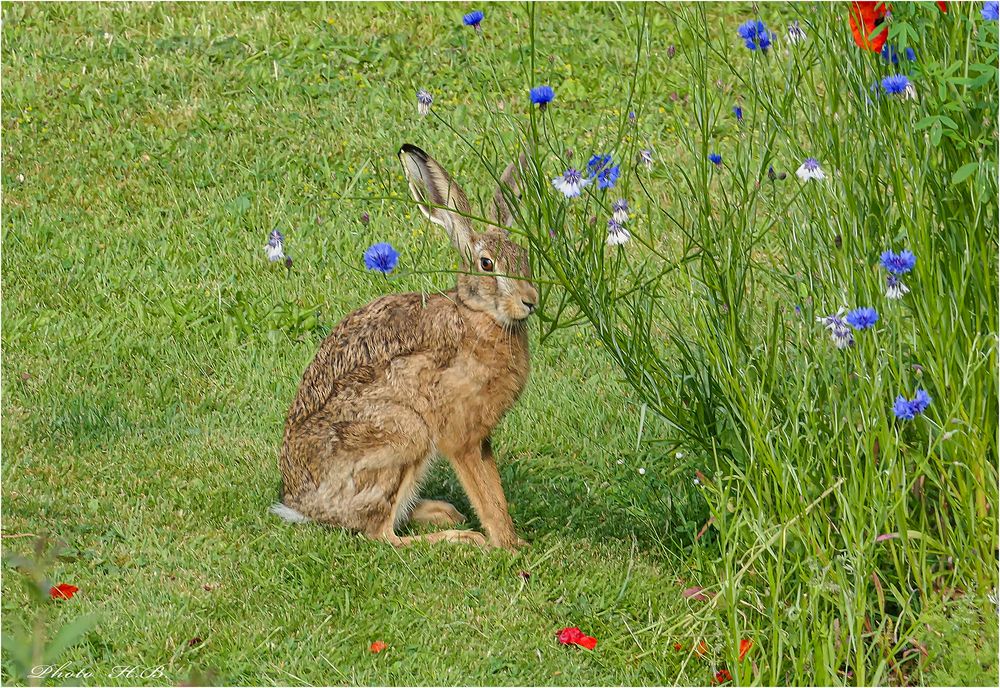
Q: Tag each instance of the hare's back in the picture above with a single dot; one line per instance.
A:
(425, 327)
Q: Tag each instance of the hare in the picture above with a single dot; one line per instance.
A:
(412, 376)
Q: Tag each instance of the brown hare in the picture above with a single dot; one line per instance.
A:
(413, 376)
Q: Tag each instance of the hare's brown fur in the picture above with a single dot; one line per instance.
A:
(412, 376)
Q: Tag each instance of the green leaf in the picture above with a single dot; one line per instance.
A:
(18, 649)
(948, 121)
(69, 635)
(964, 172)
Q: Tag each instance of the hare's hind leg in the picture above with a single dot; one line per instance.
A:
(436, 512)
(466, 537)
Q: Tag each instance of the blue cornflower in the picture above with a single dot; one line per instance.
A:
(382, 257)
(890, 54)
(715, 158)
(903, 409)
(542, 96)
(921, 401)
(990, 11)
(597, 163)
(608, 177)
(909, 409)
(862, 318)
(755, 35)
(738, 111)
(473, 19)
(897, 85)
(898, 264)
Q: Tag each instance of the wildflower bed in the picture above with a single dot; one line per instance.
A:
(717, 487)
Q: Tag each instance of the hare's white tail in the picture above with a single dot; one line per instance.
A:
(288, 513)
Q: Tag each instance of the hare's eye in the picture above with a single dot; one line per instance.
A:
(487, 264)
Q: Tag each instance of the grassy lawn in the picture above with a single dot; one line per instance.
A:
(150, 352)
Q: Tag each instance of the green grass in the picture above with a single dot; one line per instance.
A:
(150, 353)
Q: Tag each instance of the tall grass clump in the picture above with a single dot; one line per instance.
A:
(839, 405)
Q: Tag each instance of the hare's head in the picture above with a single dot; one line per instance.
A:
(495, 276)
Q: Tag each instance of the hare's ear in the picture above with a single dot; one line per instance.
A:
(439, 197)
(508, 191)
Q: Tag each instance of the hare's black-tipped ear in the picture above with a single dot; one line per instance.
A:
(508, 192)
(439, 197)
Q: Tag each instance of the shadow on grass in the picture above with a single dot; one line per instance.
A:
(660, 514)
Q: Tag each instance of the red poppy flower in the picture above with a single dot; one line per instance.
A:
(723, 675)
(942, 5)
(702, 649)
(377, 647)
(63, 591)
(745, 646)
(574, 636)
(678, 647)
(865, 17)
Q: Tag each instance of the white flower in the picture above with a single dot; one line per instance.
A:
(679, 455)
(617, 235)
(894, 287)
(571, 183)
(810, 169)
(20, 178)
(840, 333)
(795, 32)
(274, 247)
(642, 471)
(646, 158)
(619, 211)
(424, 100)
(910, 92)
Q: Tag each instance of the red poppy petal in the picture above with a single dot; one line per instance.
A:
(745, 646)
(377, 646)
(722, 676)
(864, 18)
(569, 635)
(943, 6)
(63, 591)
(587, 641)
(678, 647)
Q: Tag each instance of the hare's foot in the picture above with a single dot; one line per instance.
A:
(466, 537)
(436, 512)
